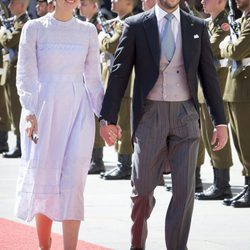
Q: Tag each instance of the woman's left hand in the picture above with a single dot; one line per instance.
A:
(31, 127)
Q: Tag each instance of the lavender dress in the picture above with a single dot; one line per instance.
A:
(58, 80)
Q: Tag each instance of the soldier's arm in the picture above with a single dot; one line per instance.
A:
(218, 36)
(240, 48)
(109, 44)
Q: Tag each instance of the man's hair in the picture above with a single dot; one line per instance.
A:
(95, 1)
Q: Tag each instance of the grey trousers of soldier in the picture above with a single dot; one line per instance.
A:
(167, 131)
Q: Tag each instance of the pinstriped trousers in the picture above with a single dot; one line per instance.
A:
(168, 133)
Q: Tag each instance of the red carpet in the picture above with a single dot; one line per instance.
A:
(17, 236)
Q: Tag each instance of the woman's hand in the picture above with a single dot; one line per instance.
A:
(31, 127)
(110, 133)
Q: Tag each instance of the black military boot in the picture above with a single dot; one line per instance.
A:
(220, 189)
(123, 169)
(198, 182)
(244, 201)
(228, 202)
(16, 152)
(4, 147)
(97, 164)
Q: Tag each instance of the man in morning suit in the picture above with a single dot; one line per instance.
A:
(160, 45)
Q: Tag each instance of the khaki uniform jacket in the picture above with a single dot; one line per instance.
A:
(11, 44)
(109, 44)
(218, 30)
(238, 88)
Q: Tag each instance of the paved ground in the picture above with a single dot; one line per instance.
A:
(107, 211)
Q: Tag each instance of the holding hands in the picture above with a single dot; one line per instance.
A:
(110, 133)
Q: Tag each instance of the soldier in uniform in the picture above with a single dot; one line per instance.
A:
(237, 94)
(221, 161)
(4, 118)
(89, 10)
(41, 7)
(10, 41)
(108, 44)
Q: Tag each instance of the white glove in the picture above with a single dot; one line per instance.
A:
(225, 42)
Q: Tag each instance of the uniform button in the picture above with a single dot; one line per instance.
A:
(245, 77)
(177, 71)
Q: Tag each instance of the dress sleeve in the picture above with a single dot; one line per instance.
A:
(92, 74)
(27, 71)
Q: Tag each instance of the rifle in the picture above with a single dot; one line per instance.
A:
(107, 27)
(7, 23)
(234, 26)
(188, 8)
(236, 66)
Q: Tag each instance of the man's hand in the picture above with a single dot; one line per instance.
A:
(220, 137)
(110, 133)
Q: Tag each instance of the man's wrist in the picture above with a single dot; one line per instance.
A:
(104, 122)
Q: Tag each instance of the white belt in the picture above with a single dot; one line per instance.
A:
(245, 62)
(1, 71)
(6, 57)
(223, 63)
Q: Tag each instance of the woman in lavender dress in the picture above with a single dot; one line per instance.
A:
(60, 89)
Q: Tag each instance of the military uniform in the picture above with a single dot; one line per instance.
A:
(97, 164)
(4, 118)
(124, 147)
(237, 94)
(220, 160)
(10, 43)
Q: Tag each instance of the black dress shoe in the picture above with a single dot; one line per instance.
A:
(228, 202)
(244, 201)
(4, 148)
(118, 173)
(136, 248)
(96, 168)
(198, 188)
(16, 153)
(214, 193)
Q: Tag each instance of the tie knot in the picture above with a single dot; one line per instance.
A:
(169, 16)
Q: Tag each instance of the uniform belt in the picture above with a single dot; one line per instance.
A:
(6, 57)
(223, 63)
(246, 62)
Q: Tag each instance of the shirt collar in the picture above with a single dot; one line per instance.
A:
(160, 13)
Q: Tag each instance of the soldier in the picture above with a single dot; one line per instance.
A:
(50, 5)
(190, 7)
(148, 4)
(4, 118)
(108, 44)
(10, 41)
(89, 10)
(41, 7)
(237, 95)
(221, 161)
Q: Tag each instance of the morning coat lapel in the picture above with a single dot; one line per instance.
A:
(187, 33)
(152, 34)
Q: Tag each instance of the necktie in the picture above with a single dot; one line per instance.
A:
(167, 39)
